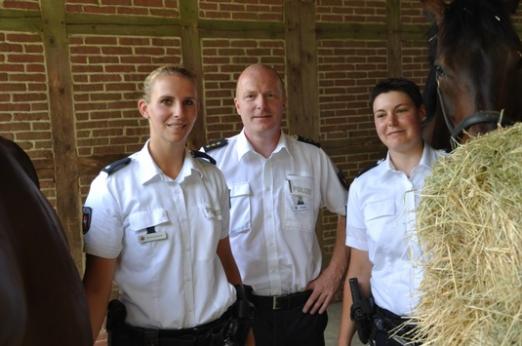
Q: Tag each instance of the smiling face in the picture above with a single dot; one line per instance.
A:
(398, 121)
(171, 109)
(260, 101)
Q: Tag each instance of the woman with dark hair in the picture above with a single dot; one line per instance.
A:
(380, 227)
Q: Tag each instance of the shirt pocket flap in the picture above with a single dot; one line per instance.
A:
(144, 219)
(300, 185)
(237, 190)
(379, 209)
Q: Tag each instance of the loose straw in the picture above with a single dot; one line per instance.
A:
(470, 228)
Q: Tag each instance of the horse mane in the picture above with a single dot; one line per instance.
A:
(483, 19)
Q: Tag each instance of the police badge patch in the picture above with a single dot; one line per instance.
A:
(86, 219)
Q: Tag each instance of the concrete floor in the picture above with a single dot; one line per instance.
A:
(332, 329)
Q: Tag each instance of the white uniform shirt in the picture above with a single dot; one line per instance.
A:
(381, 215)
(177, 282)
(274, 208)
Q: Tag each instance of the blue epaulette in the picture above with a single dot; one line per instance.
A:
(308, 140)
(366, 169)
(215, 145)
(116, 165)
(203, 156)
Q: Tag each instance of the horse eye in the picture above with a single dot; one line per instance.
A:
(439, 71)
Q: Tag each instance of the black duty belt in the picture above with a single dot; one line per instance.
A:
(283, 302)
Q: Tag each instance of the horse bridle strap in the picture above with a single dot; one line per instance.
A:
(480, 117)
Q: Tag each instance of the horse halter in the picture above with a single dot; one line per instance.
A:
(479, 117)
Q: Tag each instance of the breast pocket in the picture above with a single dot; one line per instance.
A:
(299, 203)
(240, 218)
(380, 216)
(147, 233)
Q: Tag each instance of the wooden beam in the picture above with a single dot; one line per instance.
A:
(356, 31)
(301, 68)
(16, 20)
(240, 29)
(89, 24)
(62, 123)
(191, 50)
(393, 20)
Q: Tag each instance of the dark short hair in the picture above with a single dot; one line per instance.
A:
(397, 84)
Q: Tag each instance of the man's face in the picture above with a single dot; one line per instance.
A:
(260, 102)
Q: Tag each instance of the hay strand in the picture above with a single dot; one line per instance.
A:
(470, 227)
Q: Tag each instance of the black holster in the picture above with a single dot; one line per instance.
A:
(241, 324)
(116, 314)
(361, 313)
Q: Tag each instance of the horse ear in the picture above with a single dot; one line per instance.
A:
(434, 9)
(511, 5)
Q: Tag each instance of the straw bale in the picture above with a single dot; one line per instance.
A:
(470, 227)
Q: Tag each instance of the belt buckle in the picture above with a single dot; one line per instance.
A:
(275, 306)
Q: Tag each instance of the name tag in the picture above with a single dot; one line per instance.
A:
(150, 237)
(300, 187)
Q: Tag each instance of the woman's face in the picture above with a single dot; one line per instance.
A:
(172, 109)
(398, 121)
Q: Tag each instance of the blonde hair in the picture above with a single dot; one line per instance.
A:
(166, 70)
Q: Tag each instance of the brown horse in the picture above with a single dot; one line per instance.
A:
(41, 296)
(476, 76)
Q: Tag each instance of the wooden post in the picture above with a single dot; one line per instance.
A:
(393, 19)
(66, 173)
(301, 68)
(191, 50)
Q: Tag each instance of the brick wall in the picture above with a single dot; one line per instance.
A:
(264, 10)
(20, 4)
(157, 8)
(347, 70)
(24, 104)
(351, 11)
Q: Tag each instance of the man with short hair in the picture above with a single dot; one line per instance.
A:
(277, 186)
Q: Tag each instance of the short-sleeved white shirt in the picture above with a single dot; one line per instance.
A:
(177, 282)
(275, 202)
(382, 205)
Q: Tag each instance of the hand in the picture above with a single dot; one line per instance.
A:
(323, 289)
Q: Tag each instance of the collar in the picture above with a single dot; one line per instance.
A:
(244, 147)
(426, 160)
(148, 169)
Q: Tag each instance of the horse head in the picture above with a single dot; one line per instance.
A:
(476, 59)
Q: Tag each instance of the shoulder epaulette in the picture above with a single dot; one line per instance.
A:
(116, 165)
(215, 145)
(342, 179)
(366, 169)
(308, 140)
(204, 156)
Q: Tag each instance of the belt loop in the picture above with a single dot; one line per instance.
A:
(151, 337)
(275, 306)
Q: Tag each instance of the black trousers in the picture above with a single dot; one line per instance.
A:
(285, 324)
(385, 323)
(209, 334)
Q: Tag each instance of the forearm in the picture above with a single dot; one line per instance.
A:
(346, 325)
(341, 253)
(227, 260)
(97, 283)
